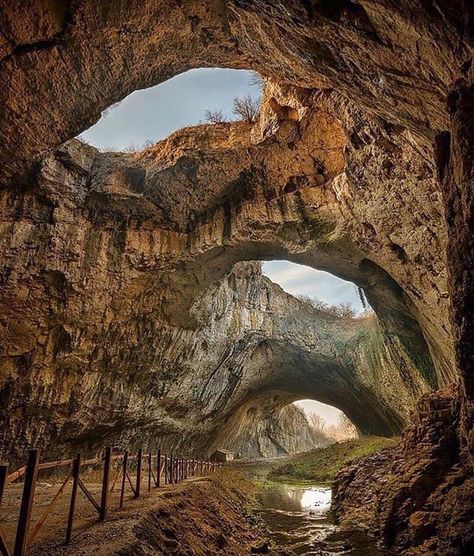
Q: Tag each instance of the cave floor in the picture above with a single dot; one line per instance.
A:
(166, 514)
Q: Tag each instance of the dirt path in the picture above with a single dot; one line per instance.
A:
(203, 513)
(55, 525)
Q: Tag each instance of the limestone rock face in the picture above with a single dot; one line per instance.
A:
(120, 266)
(121, 310)
(435, 512)
(284, 431)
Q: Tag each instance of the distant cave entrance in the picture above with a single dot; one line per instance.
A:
(315, 344)
(294, 428)
(328, 423)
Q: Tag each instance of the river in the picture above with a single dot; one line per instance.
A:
(299, 521)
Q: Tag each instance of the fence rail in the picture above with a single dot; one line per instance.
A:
(156, 468)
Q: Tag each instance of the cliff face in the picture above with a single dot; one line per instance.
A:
(417, 497)
(283, 431)
(120, 311)
(119, 267)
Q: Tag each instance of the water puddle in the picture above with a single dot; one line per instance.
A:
(299, 521)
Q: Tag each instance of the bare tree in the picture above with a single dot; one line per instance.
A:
(214, 117)
(317, 423)
(347, 429)
(246, 108)
(342, 431)
(256, 80)
(343, 310)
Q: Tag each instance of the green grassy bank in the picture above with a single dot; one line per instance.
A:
(322, 464)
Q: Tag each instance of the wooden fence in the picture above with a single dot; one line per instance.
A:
(155, 468)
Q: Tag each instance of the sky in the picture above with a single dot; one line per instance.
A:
(153, 114)
(329, 413)
(304, 280)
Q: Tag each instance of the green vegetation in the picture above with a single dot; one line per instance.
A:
(322, 464)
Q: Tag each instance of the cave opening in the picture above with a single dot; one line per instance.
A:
(196, 96)
(275, 426)
(328, 423)
(322, 289)
(87, 238)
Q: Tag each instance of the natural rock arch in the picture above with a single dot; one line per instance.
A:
(136, 239)
(399, 96)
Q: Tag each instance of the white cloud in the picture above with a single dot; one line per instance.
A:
(302, 280)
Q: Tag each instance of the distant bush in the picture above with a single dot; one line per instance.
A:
(214, 117)
(342, 310)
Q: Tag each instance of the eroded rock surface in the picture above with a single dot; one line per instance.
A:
(119, 267)
(116, 269)
(283, 431)
(416, 497)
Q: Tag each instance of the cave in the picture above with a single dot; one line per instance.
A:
(132, 299)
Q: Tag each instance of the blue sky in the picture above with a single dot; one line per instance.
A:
(304, 280)
(152, 114)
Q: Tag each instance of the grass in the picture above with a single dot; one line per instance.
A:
(322, 464)
(236, 481)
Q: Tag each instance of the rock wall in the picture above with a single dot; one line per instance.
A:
(119, 267)
(284, 431)
(415, 498)
(361, 164)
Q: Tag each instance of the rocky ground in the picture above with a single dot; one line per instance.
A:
(116, 268)
(415, 497)
(199, 517)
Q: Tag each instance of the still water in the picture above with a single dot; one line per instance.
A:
(299, 521)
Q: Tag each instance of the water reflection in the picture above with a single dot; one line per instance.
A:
(299, 522)
(316, 499)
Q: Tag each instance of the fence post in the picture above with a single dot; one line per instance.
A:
(104, 500)
(149, 471)
(124, 477)
(76, 467)
(26, 503)
(139, 472)
(166, 469)
(158, 469)
(3, 476)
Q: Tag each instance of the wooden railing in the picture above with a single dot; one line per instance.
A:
(158, 469)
